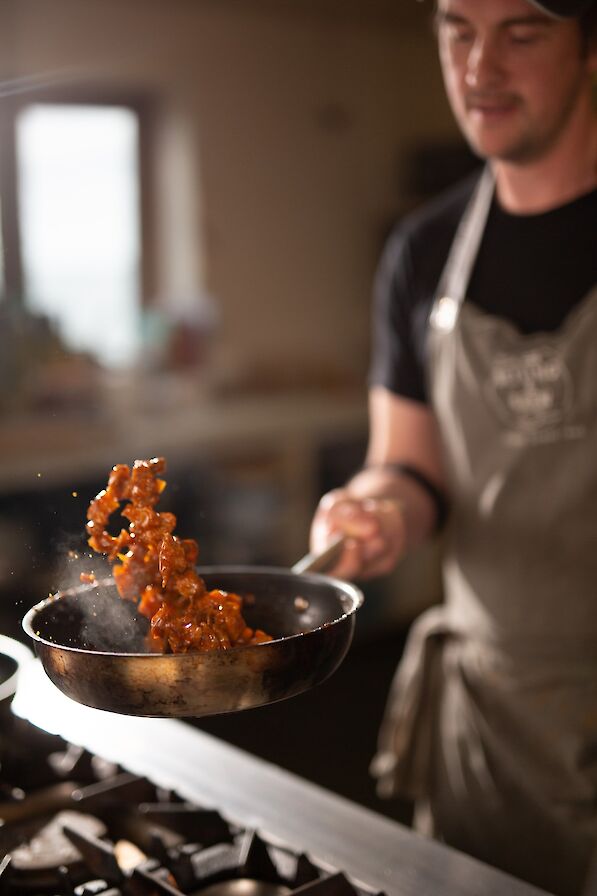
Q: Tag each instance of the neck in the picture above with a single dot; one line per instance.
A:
(566, 171)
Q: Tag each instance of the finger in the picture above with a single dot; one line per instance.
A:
(331, 499)
(322, 534)
(351, 518)
(383, 557)
(375, 548)
(345, 517)
(323, 526)
(350, 563)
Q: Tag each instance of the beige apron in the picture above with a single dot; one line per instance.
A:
(492, 718)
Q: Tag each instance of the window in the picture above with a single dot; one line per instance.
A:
(73, 223)
(78, 195)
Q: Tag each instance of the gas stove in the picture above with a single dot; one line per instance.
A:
(96, 803)
(80, 825)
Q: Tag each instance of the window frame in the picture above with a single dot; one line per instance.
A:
(144, 108)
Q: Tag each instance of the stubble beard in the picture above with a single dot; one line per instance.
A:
(533, 141)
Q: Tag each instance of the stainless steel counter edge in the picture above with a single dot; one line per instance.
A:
(335, 832)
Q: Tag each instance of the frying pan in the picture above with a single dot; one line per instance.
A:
(92, 645)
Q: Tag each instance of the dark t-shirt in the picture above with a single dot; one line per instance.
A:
(530, 269)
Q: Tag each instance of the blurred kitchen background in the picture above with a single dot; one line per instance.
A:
(194, 195)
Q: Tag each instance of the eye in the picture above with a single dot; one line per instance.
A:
(459, 34)
(524, 34)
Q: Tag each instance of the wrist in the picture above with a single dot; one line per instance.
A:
(435, 494)
(388, 482)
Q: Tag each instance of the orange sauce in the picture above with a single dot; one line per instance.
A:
(156, 569)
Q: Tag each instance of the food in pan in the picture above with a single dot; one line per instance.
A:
(155, 569)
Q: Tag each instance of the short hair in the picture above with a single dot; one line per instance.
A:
(588, 25)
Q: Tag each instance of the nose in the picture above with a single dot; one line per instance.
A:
(483, 67)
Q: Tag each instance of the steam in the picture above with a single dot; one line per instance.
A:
(102, 620)
(109, 623)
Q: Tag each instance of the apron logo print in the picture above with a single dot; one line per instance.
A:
(531, 390)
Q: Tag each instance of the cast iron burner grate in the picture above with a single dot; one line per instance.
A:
(76, 825)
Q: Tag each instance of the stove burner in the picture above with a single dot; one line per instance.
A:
(79, 763)
(202, 825)
(74, 825)
(50, 848)
(35, 863)
(244, 886)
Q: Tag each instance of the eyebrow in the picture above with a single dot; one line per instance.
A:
(450, 18)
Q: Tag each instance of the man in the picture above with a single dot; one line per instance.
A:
(484, 403)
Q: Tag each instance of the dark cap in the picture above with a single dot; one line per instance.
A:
(565, 9)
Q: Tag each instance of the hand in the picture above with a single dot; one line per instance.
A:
(374, 530)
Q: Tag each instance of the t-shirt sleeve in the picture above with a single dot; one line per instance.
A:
(395, 362)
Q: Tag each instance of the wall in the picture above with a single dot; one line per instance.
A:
(283, 133)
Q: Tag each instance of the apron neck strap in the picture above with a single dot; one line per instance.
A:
(459, 266)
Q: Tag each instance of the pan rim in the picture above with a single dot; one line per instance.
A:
(348, 589)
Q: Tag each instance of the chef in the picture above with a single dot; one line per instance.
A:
(483, 417)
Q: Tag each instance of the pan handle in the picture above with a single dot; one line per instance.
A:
(319, 562)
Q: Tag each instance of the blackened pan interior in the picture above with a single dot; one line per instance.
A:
(281, 603)
(91, 619)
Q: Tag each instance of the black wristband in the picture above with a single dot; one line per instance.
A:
(438, 497)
